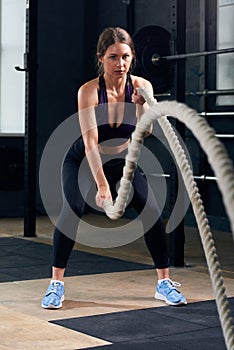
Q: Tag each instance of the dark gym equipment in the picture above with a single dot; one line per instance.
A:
(157, 59)
(205, 92)
(149, 40)
(30, 139)
(152, 44)
(12, 169)
(155, 62)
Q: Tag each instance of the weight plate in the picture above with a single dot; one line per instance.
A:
(148, 41)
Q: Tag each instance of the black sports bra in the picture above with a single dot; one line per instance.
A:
(125, 129)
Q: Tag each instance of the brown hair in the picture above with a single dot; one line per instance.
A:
(111, 36)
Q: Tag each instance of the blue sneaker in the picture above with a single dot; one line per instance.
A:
(167, 292)
(54, 295)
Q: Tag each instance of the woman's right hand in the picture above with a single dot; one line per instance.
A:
(103, 194)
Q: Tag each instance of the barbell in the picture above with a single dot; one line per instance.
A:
(156, 59)
(152, 46)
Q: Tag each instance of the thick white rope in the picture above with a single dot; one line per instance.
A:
(219, 156)
(205, 233)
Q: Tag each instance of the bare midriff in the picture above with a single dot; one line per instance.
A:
(114, 149)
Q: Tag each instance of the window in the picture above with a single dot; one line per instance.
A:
(225, 39)
(12, 82)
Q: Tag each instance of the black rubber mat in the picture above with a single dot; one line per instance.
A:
(189, 327)
(22, 259)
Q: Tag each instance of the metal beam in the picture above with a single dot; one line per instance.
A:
(204, 92)
(156, 58)
(130, 15)
(30, 158)
(217, 114)
(197, 177)
(177, 236)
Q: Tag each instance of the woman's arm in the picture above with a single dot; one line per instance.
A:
(141, 105)
(87, 100)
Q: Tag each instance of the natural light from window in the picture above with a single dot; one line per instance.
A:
(225, 39)
(12, 82)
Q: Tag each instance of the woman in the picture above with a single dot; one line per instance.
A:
(108, 131)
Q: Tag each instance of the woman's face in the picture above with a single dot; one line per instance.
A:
(117, 59)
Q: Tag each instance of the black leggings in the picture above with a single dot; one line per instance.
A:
(143, 201)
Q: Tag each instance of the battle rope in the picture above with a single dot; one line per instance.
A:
(222, 167)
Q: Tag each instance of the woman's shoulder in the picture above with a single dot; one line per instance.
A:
(87, 93)
(90, 85)
(139, 81)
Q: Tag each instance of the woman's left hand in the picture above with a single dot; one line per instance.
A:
(137, 98)
(103, 194)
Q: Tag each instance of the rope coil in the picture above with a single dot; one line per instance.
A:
(223, 169)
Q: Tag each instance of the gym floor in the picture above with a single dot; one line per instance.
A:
(109, 295)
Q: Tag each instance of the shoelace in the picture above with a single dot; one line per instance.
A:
(172, 284)
(53, 288)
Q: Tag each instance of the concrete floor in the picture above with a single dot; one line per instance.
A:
(24, 324)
